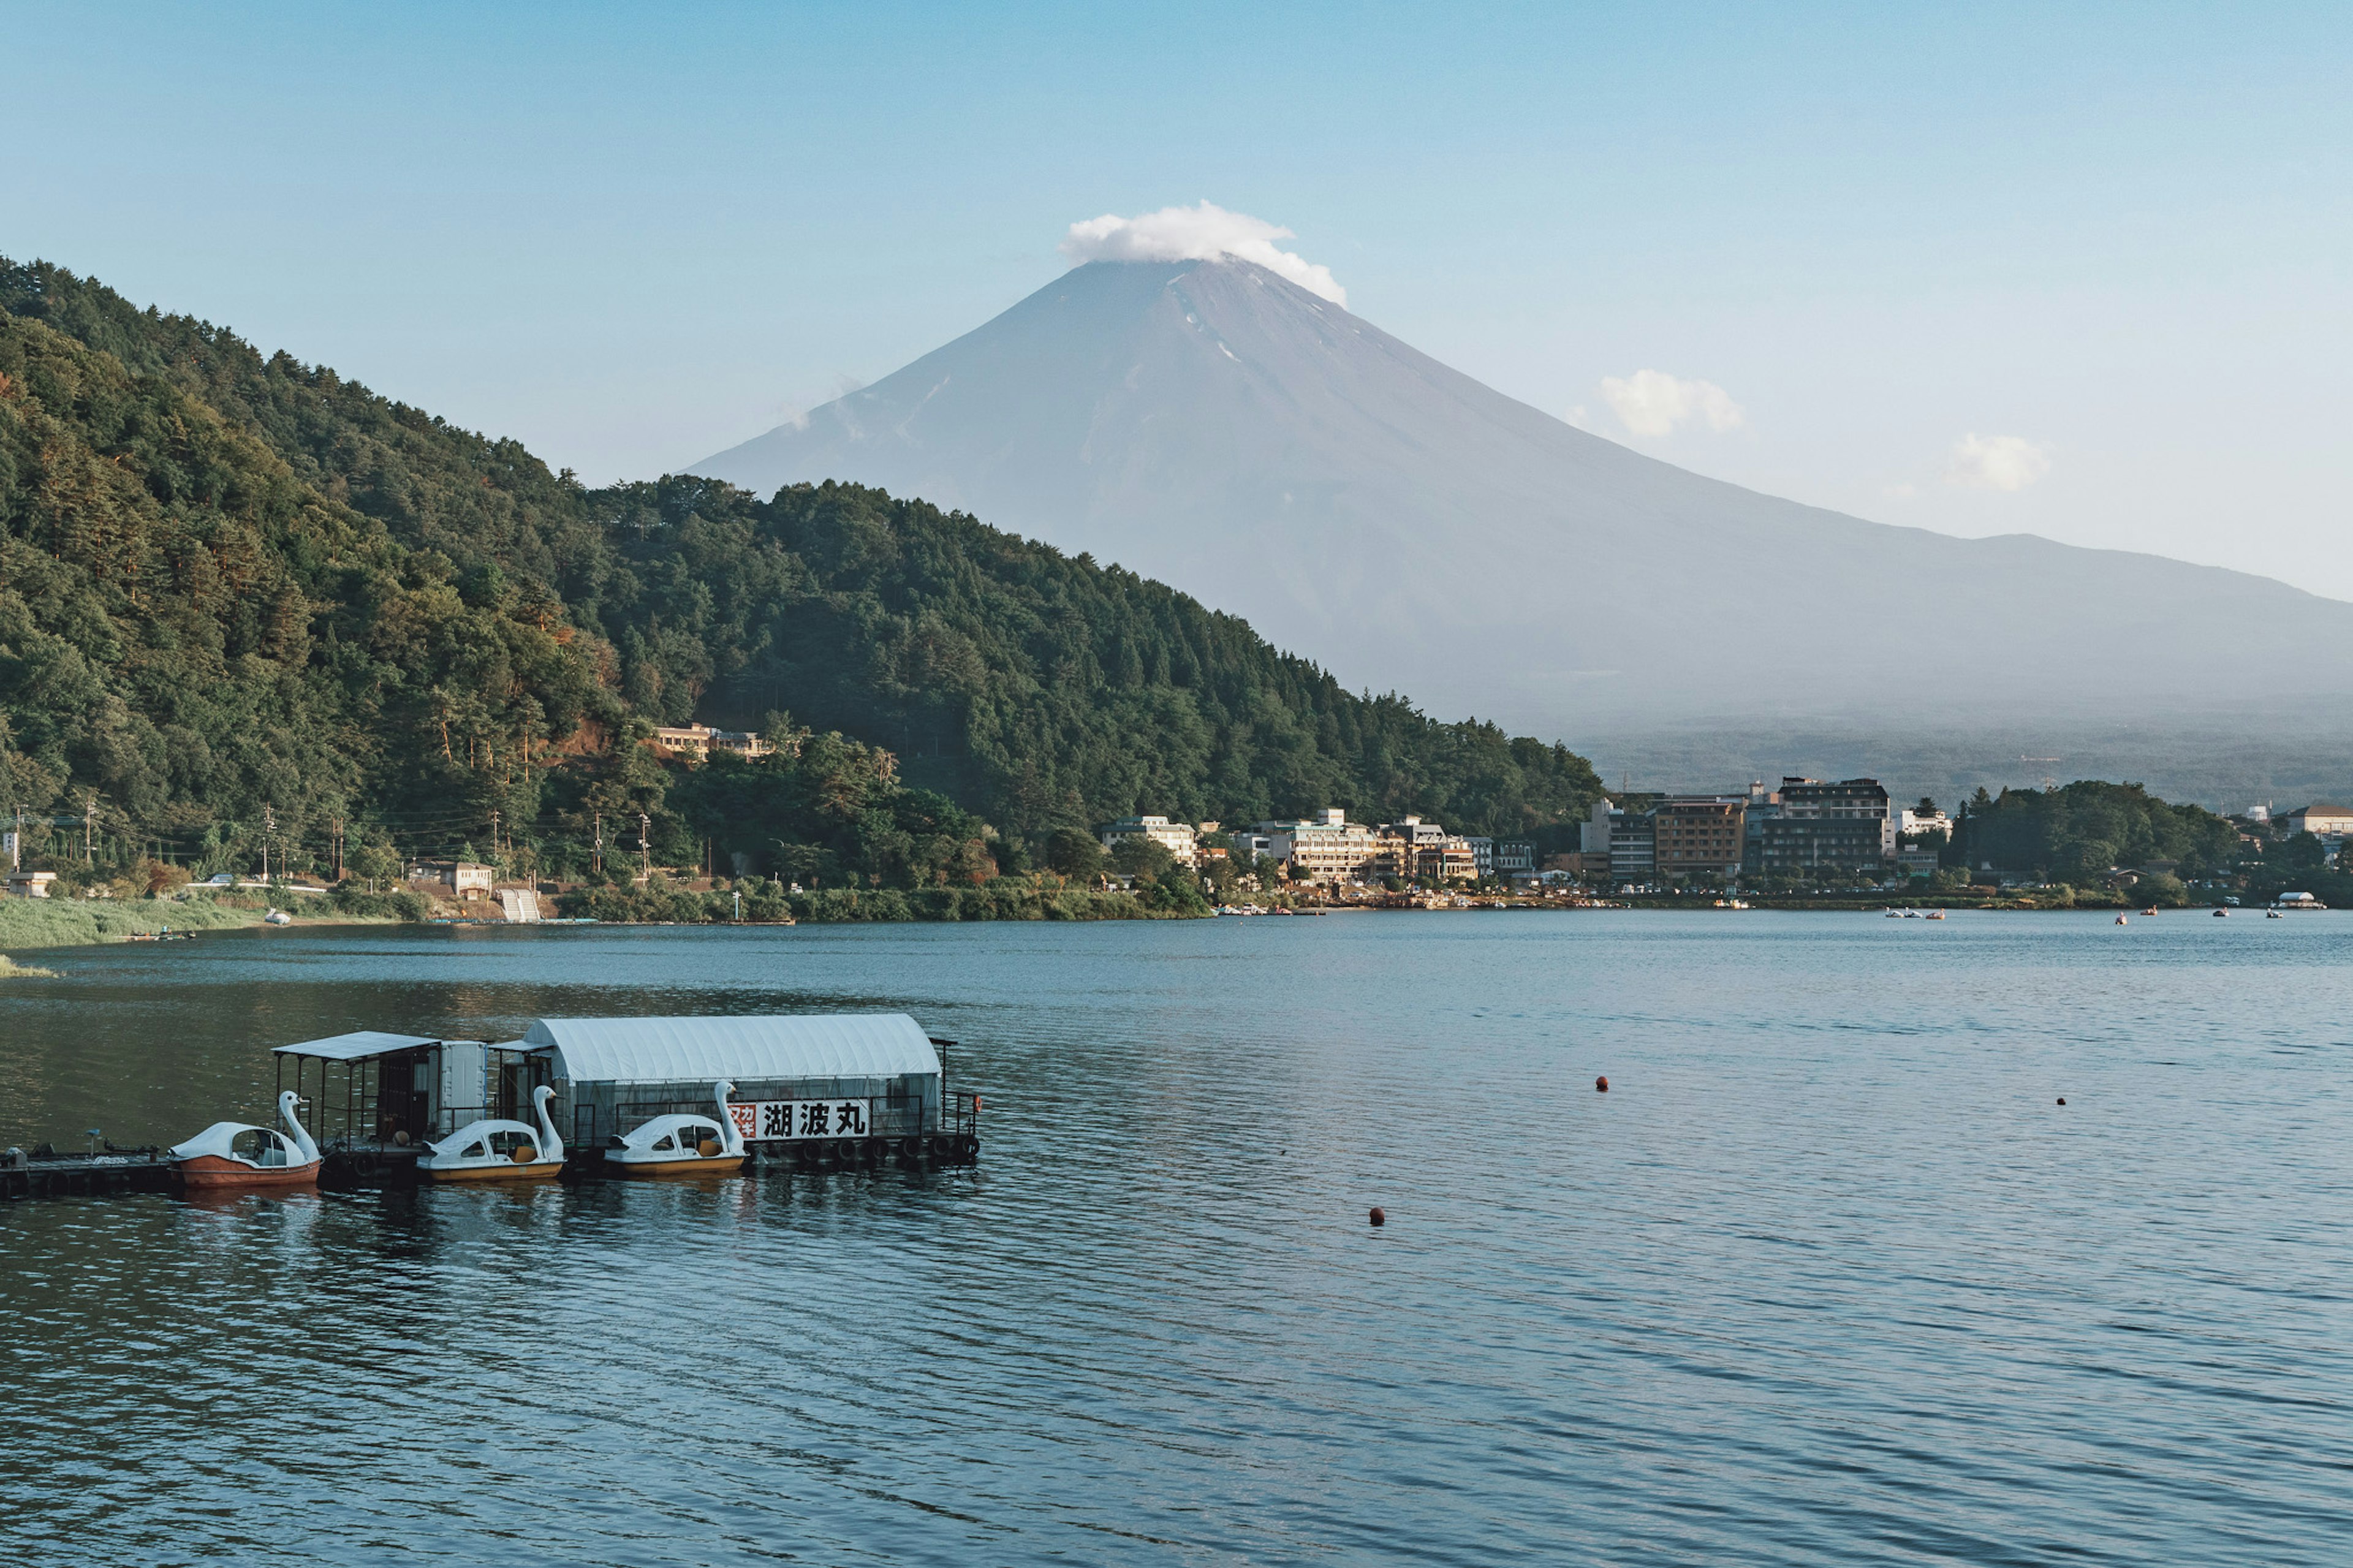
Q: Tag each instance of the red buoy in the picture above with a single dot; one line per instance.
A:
(1601, 1085)
(1380, 1218)
(2063, 1100)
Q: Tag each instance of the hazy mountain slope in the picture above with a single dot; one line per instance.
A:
(1211, 424)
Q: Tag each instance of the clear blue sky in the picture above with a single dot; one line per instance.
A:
(2114, 237)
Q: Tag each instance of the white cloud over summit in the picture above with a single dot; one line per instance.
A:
(1997, 462)
(1200, 233)
(1652, 402)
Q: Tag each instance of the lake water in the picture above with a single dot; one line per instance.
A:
(1826, 1278)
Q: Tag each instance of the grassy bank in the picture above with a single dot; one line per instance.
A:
(26, 923)
(12, 970)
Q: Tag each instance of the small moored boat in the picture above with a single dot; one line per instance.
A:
(498, 1150)
(683, 1145)
(238, 1154)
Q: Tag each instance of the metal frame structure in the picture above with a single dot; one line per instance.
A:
(355, 1121)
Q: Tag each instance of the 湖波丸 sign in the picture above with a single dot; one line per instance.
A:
(793, 1119)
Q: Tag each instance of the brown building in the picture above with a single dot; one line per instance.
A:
(1699, 835)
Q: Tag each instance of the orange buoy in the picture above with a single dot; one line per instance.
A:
(1380, 1218)
(1601, 1086)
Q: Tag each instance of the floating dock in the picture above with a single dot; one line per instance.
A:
(807, 1094)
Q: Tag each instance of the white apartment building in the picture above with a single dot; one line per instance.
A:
(1926, 822)
(1176, 837)
(1325, 847)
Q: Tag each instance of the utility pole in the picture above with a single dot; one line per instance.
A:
(339, 849)
(268, 832)
(494, 834)
(645, 848)
(88, 811)
(597, 849)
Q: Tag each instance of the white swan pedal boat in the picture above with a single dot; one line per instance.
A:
(498, 1149)
(239, 1154)
(679, 1145)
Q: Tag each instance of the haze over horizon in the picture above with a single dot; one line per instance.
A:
(2074, 275)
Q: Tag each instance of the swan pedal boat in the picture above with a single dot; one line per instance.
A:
(683, 1145)
(498, 1150)
(238, 1154)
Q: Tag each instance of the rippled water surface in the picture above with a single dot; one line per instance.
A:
(1827, 1276)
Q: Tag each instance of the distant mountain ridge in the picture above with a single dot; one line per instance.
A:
(1211, 424)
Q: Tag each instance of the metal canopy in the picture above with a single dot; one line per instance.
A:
(670, 1050)
(357, 1046)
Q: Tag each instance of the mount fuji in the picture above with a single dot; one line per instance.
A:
(1211, 424)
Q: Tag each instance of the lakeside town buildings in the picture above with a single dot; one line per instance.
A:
(1807, 828)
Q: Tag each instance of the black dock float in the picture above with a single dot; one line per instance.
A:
(43, 1174)
(927, 1151)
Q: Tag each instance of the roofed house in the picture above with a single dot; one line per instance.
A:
(697, 742)
(2321, 819)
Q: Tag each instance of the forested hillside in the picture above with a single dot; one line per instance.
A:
(2077, 831)
(238, 589)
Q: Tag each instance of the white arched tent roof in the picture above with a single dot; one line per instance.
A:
(669, 1050)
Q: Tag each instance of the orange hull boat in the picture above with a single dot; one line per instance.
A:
(504, 1171)
(211, 1173)
(684, 1165)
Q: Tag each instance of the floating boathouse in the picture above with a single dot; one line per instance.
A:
(809, 1090)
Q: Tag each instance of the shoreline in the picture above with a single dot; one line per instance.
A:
(34, 925)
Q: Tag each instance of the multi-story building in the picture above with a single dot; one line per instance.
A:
(1325, 847)
(2320, 819)
(1698, 836)
(1627, 839)
(1248, 847)
(1514, 855)
(1633, 849)
(1483, 854)
(1838, 828)
(1176, 837)
(1913, 823)
(1423, 852)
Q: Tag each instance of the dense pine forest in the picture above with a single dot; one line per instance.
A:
(247, 603)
